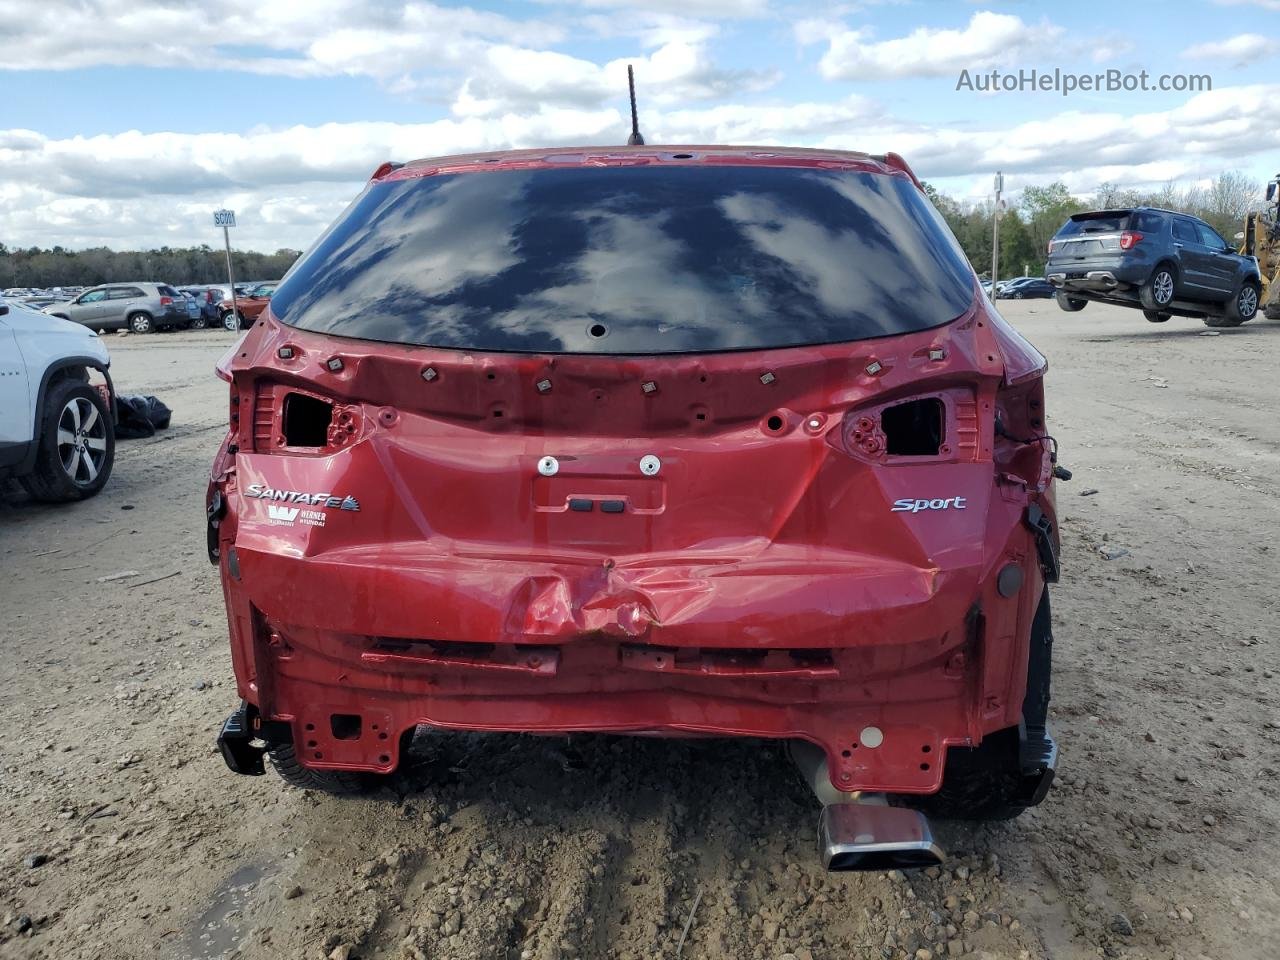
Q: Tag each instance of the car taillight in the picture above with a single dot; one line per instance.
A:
(208, 296)
(1130, 239)
(1052, 244)
(166, 301)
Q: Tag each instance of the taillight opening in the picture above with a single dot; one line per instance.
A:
(1130, 239)
(306, 421)
(915, 428)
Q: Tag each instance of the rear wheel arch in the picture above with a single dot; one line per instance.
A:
(66, 368)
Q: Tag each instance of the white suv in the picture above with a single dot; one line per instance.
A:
(57, 431)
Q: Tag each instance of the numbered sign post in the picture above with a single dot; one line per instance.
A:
(226, 219)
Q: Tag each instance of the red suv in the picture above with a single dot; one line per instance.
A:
(668, 440)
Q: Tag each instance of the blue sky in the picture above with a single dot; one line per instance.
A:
(126, 121)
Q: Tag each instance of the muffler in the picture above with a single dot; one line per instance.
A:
(860, 831)
(873, 836)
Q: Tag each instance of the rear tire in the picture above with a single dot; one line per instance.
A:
(284, 760)
(1070, 304)
(198, 323)
(984, 782)
(1157, 292)
(1156, 316)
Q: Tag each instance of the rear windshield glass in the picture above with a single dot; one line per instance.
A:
(1108, 222)
(631, 260)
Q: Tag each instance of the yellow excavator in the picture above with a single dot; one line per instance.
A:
(1261, 239)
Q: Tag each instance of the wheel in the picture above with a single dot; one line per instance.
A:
(198, 323)
(231, 320)
(77, 445)
(1243, 307)
(985, 782)
(284, 760)
(1018, 296)
(140, 323)
(1157, 292)
(1070, 304)
(1157, 316)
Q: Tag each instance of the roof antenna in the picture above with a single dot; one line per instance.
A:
(635, 140)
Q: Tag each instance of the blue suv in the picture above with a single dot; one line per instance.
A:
(1163, 262)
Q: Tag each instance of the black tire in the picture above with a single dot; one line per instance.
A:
(1157, 316)
(198, 323)
(231, 320)
(141, 323)
(1157, 293)
(985, 783)
(52, 480)
(1243, 307)
(1221, 322)
(1070, 304)
(284, 760)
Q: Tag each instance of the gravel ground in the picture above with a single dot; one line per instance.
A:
(123, 835)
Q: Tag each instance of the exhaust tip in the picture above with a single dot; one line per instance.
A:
(862, 836)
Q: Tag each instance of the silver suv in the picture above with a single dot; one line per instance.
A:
(140, 307)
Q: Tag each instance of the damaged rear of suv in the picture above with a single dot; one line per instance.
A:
(676, 441)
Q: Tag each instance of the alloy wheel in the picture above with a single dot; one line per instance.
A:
(82, 441)
(1162, 286)
(1247, 302)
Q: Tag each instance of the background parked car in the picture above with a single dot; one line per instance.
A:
(1162, 262)
(141, 307)
(1029, 288)
(249, 306)
(57, 428)
(1002, 285)
(39, 303)
(206, 299)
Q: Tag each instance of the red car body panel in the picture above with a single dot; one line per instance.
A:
(760, 584)
(250, 308)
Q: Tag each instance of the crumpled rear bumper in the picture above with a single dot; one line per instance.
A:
(882, 665)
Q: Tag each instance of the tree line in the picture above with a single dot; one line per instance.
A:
(1027, 226)
(1025, 230)
(58, 267)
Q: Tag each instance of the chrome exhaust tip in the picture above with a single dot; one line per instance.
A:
(871, 836)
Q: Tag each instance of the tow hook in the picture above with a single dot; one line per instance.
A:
(242, 741)
(1047, 550)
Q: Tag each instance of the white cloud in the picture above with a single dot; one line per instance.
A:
(133, 189)
(1264, 4)
(1238, 50)
(989, 39)
(684, 8)
(515, 79)
(304, 37)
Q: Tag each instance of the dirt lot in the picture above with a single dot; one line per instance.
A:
(1160, 839)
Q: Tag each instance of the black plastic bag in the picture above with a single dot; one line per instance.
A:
(138, 417)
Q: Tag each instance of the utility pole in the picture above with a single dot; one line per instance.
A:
(995, 234)
(226, 219)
